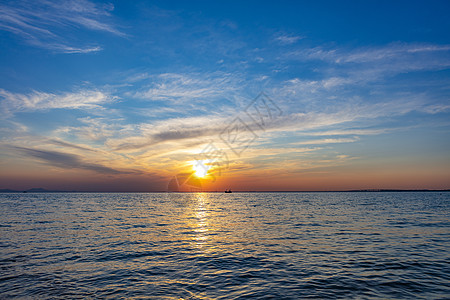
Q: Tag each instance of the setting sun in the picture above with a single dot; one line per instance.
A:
(201, 167)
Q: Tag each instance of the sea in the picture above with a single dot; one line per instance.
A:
(337, 245)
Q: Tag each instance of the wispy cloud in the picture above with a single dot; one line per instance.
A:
(286, 39)
(97, 129)
(328, 141)
(64, 144)
(394, 57)
(45, 24)
(67, 49)
(350, 132)
(169, 130)
(203, 128)
(180, 88)
(84, 99)
(66, 160)
(397, 51)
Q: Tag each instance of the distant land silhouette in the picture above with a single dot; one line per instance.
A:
(33, 190)
(42, 190)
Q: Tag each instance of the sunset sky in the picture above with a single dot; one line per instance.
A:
(293, 95)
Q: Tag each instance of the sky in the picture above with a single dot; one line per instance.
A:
(212, 95)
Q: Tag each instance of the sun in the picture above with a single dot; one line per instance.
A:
(201, 167)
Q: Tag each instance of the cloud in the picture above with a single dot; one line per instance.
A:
(392, 51)
(301, 86)
(328, 141)
(66, 160)
(45, 24)
(350, 132)
(437, 108)
(169, 130)
(97, 129)
(200, 129)
(179, 88)
(286, 39)
(84, 99)
(394, 57)
(68, 49)
(69, 145)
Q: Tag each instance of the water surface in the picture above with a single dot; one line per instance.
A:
(225, 246)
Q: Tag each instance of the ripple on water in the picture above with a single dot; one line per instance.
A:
(241, 245)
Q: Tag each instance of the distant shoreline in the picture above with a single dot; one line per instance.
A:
(40, 190)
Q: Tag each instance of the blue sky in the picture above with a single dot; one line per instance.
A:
(123, 95)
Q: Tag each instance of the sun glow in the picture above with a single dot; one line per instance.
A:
(201, 167)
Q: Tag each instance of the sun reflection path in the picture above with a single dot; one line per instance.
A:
(201, 217)
(196, 217)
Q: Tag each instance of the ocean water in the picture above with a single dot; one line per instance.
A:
(225, 246)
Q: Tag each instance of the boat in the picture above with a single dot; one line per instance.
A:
(228, 191)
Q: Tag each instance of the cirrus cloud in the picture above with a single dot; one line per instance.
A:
(84, 99)
(46, 24)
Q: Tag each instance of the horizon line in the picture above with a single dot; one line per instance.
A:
(41, 190)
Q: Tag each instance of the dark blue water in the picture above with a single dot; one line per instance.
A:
(225, 246)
